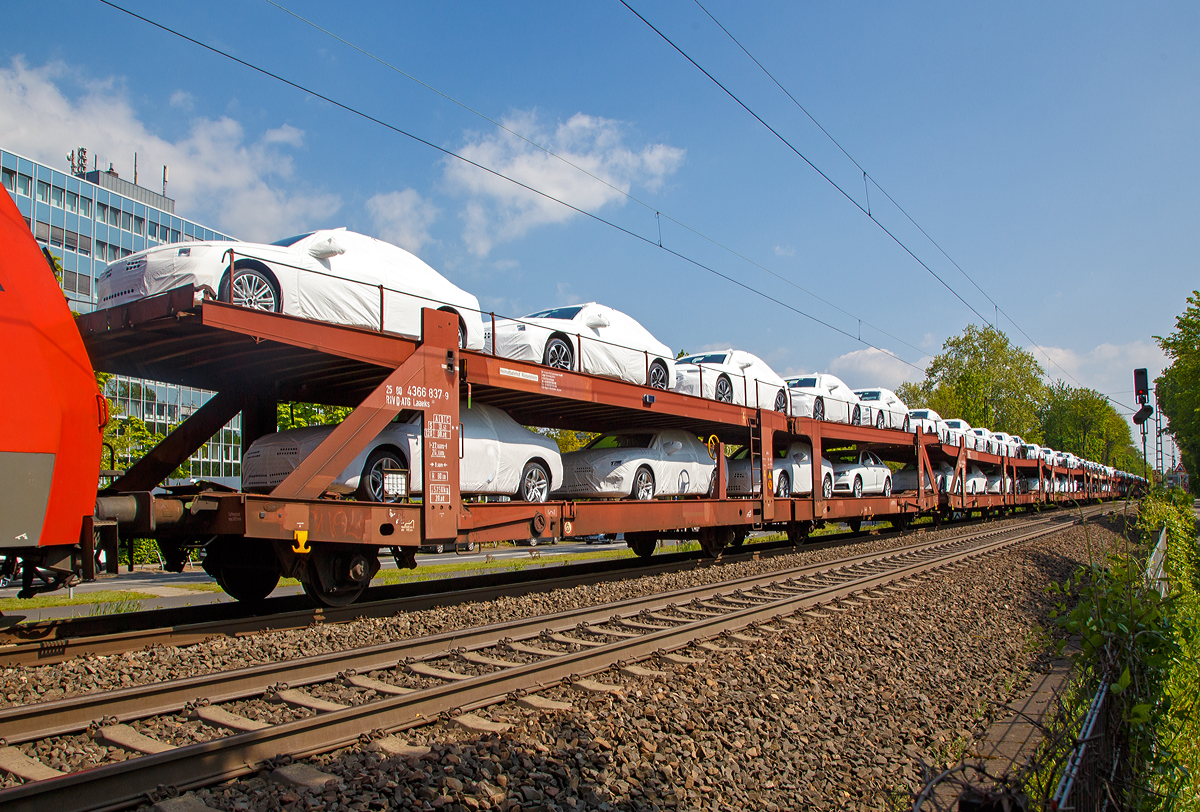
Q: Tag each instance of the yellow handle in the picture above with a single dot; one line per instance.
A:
(301, 544)
(712, 446)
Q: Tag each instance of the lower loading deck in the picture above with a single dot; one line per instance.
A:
(255, 360)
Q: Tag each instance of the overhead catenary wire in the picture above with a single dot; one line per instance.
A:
(546, 150)
(450, 153)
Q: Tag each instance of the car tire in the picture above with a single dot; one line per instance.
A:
(534, 485)
(783, 486)
(907, 424)
(781, 401)
(251, 288)
(827, 487)
(856, 417)
(658, 376)
(559, 354)
(879, 421)
(819, 409)
(643, 485)
(370, 482)
(858, 488)
(887, 487)
(533, 542)
(723, 390)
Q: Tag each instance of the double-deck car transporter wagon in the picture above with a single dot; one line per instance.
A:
(254, 360)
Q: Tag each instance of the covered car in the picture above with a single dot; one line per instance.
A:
(974, 482)
(824, 397)
(591, 338)
(639, 465)
(987, 441)
(731, 376)
(857, 474)
(883, 409)
(928, 421)
(791, 471)
(498, 456)
(959, 432)
(906, 478)
(331, 275)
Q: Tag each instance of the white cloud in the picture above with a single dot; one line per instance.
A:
(498, 210)
(872, 367)
(182, 99)
(402, 218)
(219, 177)
(1107, 368)
(785, 251)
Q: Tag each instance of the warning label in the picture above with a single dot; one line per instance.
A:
(439, 494)
(437, 427)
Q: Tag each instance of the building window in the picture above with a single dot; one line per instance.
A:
(41, 230)
(56, 236)
(114, 216)
(71, 241)
(43, 191)
(174, 235)
(72, 202)
(85, 206)
(56, 196)
(69, 280)
(154, 231)
(101, 212)
(114, 253)
(85, 245)
(24, 184)
(139, 225)
(126, 221)
(10, 180)
(125, 252)
(85, 284)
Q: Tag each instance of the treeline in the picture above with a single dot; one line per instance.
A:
(1178, 388)
(981, 377)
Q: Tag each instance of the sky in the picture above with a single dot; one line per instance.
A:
(1047, 152)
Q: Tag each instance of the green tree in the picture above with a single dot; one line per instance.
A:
(1085, 423)
(568, 440)
(1178, 388)
(982, 377)
(298, 415)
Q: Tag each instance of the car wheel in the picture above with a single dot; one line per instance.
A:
(858, 487)
(856, 417)
(438, 549)
(535, 483)
(533, 542)
(643, 485)
(906, 423)
(827, 487)
(723, 391)
(783, 487)
(781, 401)
(658, 376)
(462, 335)
(559, 354)
(887, 487)
(251, 288)
(818, 409)
(879, 421)
(370, 483)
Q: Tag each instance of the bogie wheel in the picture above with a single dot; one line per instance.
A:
(342, 597)
(371, 484)
(535, 483)
(338, 578)
(879, 423)
(783, 486)
(713, 540)
(658, 376)
(559, 354)
(819, 409)
(887, 487)
(739, 538)
(248, 585)
(827, 487)
(643, 485)
(781, 401)
(251, 288)
(798, 532)
(858, 488)
(642, 544)
(856, 417)
(723, 391)
(855, 525)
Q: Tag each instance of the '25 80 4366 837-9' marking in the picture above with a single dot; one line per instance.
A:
(414, 397)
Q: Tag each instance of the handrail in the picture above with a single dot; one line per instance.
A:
(1156, 575)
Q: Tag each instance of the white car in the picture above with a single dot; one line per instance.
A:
(731, 376)
(1008, 445)
(330, 275)
(987, 441)
(1031, 451)
(498, 456)
(929, 421)
(999, 483)
(861, 473)
(591, 338)
(959, 432)
(976, 481)
(882, 409)
(791, 470)
(906, 478)
(824, 397)
(639, 465)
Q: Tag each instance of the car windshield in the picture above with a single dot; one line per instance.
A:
(564, 313)
(868, 395)
(710, 358)
(621, 441)
(803, 383)
(921, 415)
(289, 241)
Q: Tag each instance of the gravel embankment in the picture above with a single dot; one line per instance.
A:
(31, 684)
(837, 712)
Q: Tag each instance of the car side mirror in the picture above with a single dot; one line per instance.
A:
(672, 446)
(596, 321)
(325, 249)
(744, 364)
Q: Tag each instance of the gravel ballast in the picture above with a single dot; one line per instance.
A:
(836, 711)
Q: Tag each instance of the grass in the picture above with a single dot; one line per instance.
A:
(482, 564)
(105, 596)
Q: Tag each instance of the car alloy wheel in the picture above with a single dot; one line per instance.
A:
(643, 485)
(879, 420)
(371, 484)
(856, 417)
(658, 375)
(781, 401)
(723, 391)
(535, 483)
(887, 487)
(858, 487)
(827, 488)
(783, 487)
(818, 409)
(559, 354)
(907, 424)
(250, 288)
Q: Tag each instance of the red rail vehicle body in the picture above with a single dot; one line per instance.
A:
(51, 417)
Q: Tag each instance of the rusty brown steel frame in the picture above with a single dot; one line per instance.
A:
(255, 359)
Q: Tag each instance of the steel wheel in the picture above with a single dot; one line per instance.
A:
(858, 487)
(371, 483)
(252, 289)
(723, 391)
(887, 487)
(658, 376)
(879, 423)
(535, 483)
(818, 409)
(855, 525)
(559, 354)
(643, 485)
(783, 486)
(248, 585)
(781, 401)
(827, 487)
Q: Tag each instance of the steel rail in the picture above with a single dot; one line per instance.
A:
(23, 723)
(114, 785)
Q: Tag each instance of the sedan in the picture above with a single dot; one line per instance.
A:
(497, 456)
(861, 473)
(906, 478)
(731, 376)
(791, 470)
(882, 409)
(987, 441)
(928, 421)
(976, 481)
(824, 397)
(591, 338)
(330, 275)
(640, 465)
(959, 432)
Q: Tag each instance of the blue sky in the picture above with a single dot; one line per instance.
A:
(1050, 149)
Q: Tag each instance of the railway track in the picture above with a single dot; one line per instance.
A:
(337, 698)
(48, 642)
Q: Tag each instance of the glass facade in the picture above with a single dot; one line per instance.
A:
(88, 222)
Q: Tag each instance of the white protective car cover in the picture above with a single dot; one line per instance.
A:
(753, 382)
(495, 451)
(795, 460)
(622, 348)
(609, 471)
